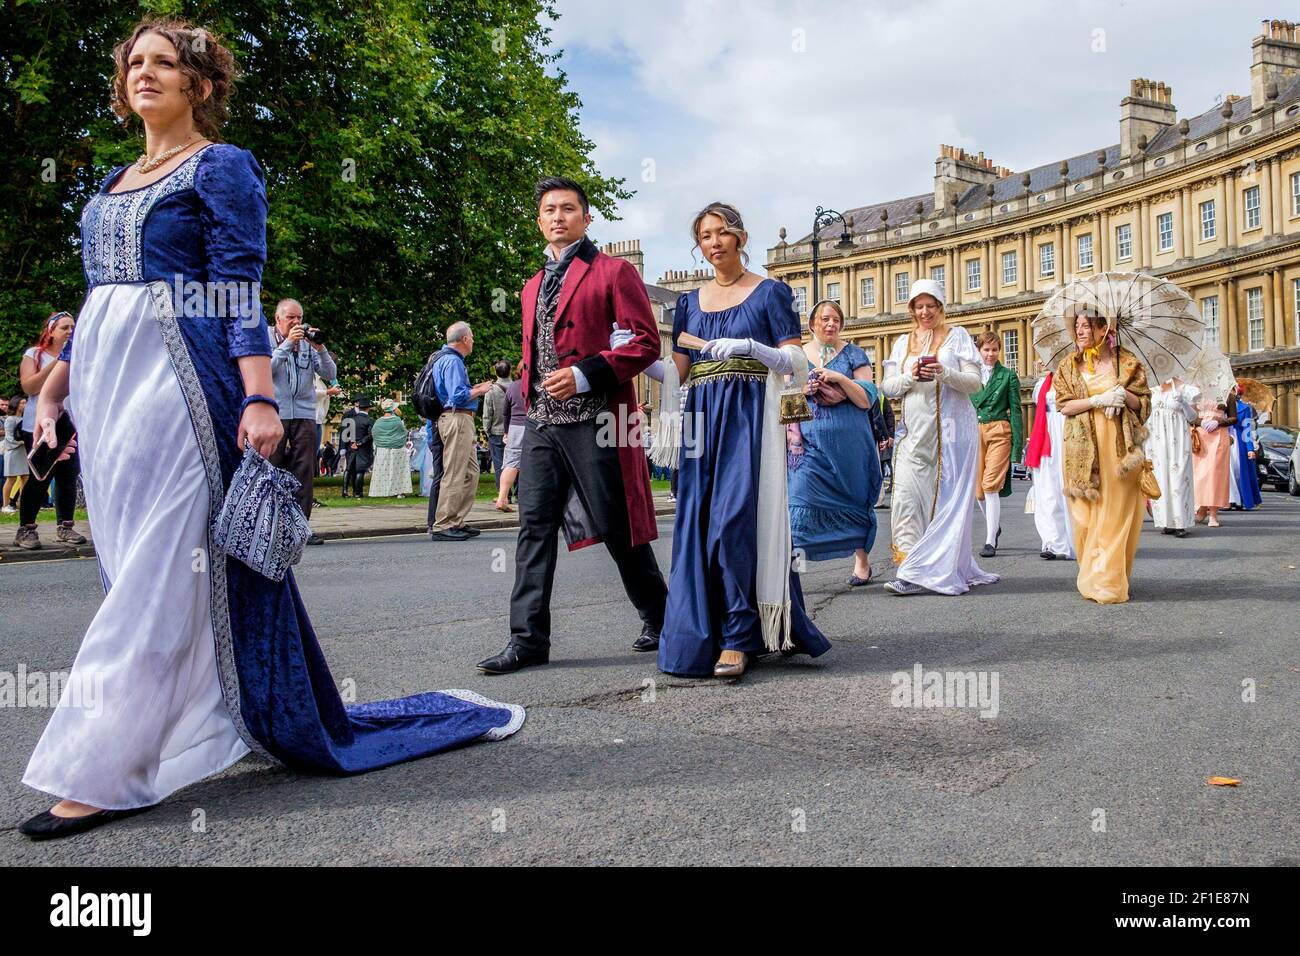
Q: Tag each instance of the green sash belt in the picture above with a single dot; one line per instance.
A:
(727, 368)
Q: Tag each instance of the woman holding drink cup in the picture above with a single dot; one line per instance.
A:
(933, 370)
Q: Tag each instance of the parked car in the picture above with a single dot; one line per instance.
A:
(1275, 445)
(1293, 479)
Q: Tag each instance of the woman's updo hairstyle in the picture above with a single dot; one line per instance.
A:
(200, 56)
(732, 224)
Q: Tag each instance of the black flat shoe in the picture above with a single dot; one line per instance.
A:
(988, 551)
(1180, 532)
(513, 659)
(857, 582)
(1047, 555)
(46, 826)
(648, 641)
(451, 534)
(315, 539)
(471, 531)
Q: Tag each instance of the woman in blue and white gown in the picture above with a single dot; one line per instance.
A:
(193, 659)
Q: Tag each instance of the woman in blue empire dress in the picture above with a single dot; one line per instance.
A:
(193, 659)
(1243, 435)
(726, 548)
(833, 460)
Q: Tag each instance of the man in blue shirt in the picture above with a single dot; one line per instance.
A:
(456, 429)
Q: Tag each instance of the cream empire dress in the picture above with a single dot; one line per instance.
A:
(1169, 447)
(934, 467)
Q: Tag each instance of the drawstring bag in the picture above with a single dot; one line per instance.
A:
(260, 522)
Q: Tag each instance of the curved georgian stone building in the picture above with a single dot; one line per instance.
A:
(1210, 201)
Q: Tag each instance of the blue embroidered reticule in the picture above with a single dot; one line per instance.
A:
(261, 523)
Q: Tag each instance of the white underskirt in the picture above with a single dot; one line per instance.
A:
(162, 722)
(1051, 510)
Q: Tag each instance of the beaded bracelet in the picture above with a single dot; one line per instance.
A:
(254, 399)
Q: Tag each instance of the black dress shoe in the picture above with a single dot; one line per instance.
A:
(512, 659)
(451, 534)
(471, 531)
(648, 641)
(857, 582)
(1180, 532)
(988, 551)
(46, 826)
(315, 539)
(1047, 555)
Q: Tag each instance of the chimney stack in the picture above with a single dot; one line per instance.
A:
(629, 249)
(1274, 57)
(956, 170)
(1147, 110)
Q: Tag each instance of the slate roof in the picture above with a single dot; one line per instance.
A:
(1048, 176)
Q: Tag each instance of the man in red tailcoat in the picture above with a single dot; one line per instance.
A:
(583, 466)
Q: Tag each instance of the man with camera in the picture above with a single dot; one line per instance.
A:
(298, 356)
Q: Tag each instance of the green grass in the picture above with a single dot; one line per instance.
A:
(330, 491)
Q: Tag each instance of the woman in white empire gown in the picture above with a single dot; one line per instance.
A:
(1169, 447)
(1051, 512)
(936, 458)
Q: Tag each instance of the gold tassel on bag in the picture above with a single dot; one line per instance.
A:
(1196, 440)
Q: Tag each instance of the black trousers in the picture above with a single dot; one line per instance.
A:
(354, 476)
(296, 454)
(34, 493)
(435, 473)
(554, 460)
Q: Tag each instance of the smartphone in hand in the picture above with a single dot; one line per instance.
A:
(43, 458)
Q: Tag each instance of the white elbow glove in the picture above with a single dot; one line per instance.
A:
(778, 360)
(620, 337)
(723, 349)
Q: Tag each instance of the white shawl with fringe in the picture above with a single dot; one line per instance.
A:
(772, 578)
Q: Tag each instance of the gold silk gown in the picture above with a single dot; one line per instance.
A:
(1106, 531)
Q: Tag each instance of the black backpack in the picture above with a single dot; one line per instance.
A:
(424, 396)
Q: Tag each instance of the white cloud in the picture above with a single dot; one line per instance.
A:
(723, 100)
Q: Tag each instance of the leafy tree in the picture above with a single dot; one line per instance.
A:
(400, 140)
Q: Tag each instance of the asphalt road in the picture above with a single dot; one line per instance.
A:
(1109, 720)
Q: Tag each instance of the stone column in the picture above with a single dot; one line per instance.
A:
(1060, 253)
(1221, 210)
(1104, 234)
(884, 294)
(1230, 314)
(1280, 198)
(1224, 340)
(949, 274)
(1269, 307)
(1190, 228)
(1279, 311)
(1231, 217)
(1144, 240)
(1027, 277)
(1265, 177)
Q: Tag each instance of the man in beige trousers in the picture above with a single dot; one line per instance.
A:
(456, 429)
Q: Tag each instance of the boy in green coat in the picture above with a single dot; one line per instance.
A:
(1001, 438)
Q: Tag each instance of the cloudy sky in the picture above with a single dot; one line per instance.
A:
(779, 107)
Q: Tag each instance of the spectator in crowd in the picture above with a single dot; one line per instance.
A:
(392, 474)
(460, 468)
(298, 358)
(12, 451)
(494, 418)
(37, 364)
(515, 415)
(355, 435)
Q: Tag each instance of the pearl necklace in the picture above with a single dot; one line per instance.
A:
(146, 165)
